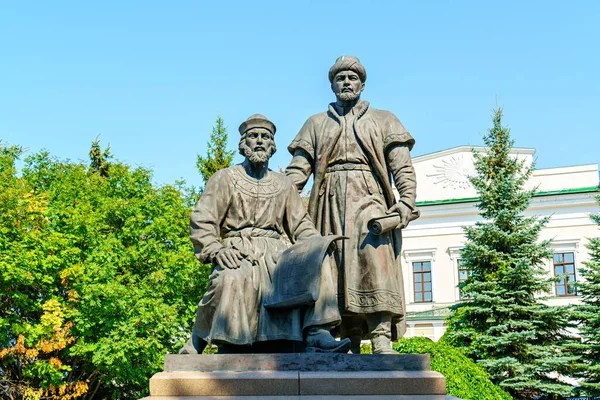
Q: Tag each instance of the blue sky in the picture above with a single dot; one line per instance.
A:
(151, 77)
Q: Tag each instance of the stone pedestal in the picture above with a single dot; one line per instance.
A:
(302, 376)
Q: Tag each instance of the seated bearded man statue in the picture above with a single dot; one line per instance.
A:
(237, 226)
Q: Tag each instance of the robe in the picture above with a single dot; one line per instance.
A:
(236, 210)
(354, 158)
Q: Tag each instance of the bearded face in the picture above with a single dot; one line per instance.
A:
(347, 86)
(348, 96)
(257, 145)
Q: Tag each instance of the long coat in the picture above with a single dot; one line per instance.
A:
(238, 211)
(344, 196)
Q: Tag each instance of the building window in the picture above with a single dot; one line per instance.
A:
(463, 274)
(422, 281)
(564, 264)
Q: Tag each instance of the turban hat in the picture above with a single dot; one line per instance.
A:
(348, 63)
(257, 121)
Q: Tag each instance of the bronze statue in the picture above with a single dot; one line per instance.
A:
(353, 152)
(237, 226)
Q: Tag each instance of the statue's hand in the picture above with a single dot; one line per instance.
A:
(404, 212)
(229, 257)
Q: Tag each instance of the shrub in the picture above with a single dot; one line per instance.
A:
(464, 378)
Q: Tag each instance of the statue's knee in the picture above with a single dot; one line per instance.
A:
(233, 278)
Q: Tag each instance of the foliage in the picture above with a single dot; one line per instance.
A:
(98, 276)
(588, 314)
(217, 156)
(506, 327)
(464, 378)
(99, 160)
(30, 366)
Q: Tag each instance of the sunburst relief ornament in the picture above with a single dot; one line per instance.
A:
(454, 173)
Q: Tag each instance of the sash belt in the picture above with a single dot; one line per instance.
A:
(253, 232)
(348, 167)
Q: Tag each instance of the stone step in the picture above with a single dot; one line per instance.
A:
(294, 383)
(296, 362)
(317, 397)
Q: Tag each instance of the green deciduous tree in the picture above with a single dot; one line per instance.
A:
(217, 156)
(506, 326)
(98, 276)
(588, 314)
(33, 330)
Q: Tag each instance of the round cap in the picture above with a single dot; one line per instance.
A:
(257, 121)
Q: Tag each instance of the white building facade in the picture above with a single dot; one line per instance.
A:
(431, 247)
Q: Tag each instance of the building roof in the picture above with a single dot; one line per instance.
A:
(443, 176)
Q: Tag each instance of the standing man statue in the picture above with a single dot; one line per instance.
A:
(354, 151)
(237, 227)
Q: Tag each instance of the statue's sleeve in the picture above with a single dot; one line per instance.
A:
(297, 224)
(395, 133)
(397, 144)
(302, 149)
(405, 180)
(206, 218)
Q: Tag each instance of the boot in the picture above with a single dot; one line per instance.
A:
(188, 348)
(382, 344)
(198, 343)
(380, 325)
(319, 340)
(355, 342)
(355, 336)
(195, 345)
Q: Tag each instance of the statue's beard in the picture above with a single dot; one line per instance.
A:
(348, 96)
(255, 157)
(258, 157)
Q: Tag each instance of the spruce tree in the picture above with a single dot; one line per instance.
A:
(588, 313)
(218, 156)
(99, 160)
(505, 326)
